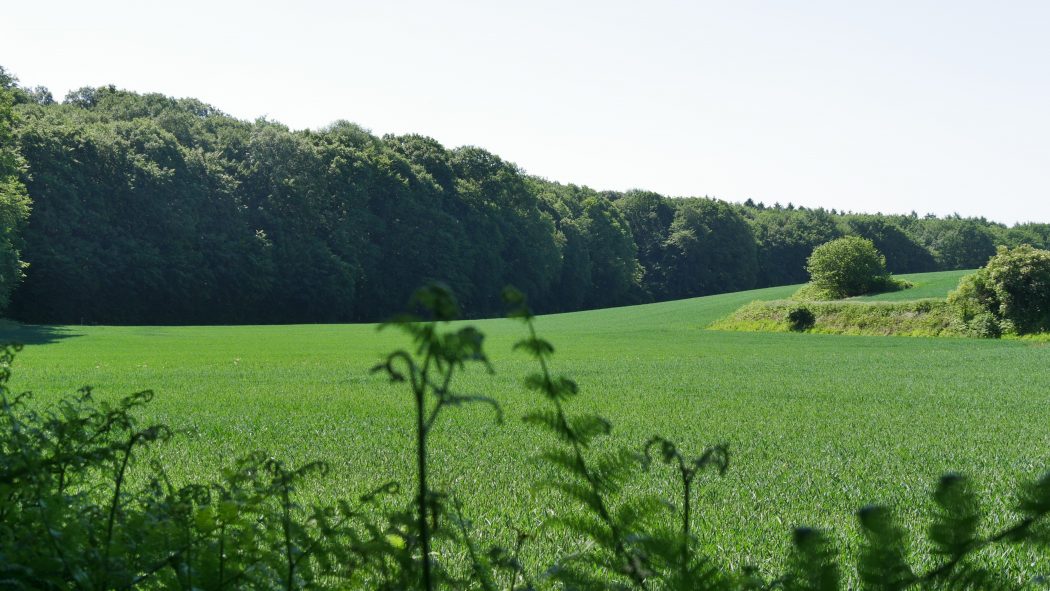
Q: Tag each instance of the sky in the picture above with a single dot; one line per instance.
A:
(935, 107)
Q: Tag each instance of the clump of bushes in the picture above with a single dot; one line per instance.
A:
(925, 318)
(1010, 295)
(801, 318)
(847, 267)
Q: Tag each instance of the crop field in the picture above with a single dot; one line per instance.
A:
(924, 285)
(818, 425)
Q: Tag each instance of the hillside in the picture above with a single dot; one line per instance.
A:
(924, 285)
(817, 425)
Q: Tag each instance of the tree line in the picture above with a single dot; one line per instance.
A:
(151, 209)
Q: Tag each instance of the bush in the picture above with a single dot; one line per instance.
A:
(848, 267)
(801, 318)
(985, 326)
(1010, 295)
(925, 318)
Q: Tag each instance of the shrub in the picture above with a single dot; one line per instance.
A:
(801, 318)
(984, 326)
(1020, 278)
(848, 267)
(927, 318)
(1011, 294)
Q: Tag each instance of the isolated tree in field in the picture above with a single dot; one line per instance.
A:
(848, 267)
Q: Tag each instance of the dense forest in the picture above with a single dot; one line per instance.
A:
(118, 207)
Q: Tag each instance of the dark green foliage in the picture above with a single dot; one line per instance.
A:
(510, 239)
(785, 239)
(965, 246)
(428, 370)
(710, 248)
(1009, 295)
(130, 218)
(575, 282)
(198, 217)
(649, 216)
(1037, 235)
(615, 272)
(954, 537)
(975, 307)
(1020, 280)
(955, 530)
(150, 209)
(801, 318)
(14, 202)
(813, 564)
(903, 253)
(883, 563)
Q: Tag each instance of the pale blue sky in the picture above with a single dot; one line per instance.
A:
(872, 106)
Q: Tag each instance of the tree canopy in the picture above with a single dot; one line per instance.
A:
(152, 209)
(14, 201)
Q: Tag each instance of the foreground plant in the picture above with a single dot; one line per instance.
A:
(428, 370)
(77, 512)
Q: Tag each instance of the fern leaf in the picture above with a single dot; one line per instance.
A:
(813, 565)
(882, 563)
(955, 526)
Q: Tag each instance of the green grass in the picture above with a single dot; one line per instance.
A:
(818, 425)
(914, 318)
(924, 285)
(920, 310)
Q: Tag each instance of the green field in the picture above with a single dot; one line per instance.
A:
(924, 285)
(818, 425)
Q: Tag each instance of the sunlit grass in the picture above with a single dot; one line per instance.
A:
(818, 425)
(924, 285)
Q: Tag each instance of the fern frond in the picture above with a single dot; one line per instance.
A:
(813, 565)
(552, 422)
(567, 461)
(612, 470)
(882, 563)
(954, 530)
(589, 427)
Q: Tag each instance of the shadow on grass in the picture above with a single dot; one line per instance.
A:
(33, 334)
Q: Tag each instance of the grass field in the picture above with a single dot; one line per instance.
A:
(818, 425)
(924, 285)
